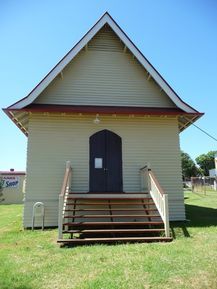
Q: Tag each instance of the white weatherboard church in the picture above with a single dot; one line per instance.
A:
(107, 112)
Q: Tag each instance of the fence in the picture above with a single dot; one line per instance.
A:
(202, 184)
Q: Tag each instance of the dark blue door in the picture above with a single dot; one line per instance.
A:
(105, 162)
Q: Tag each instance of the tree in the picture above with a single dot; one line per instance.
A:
(189, 168)
(206, 162)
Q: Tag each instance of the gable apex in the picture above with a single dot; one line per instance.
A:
(105, 19)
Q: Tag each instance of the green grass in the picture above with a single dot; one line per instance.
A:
(33, 260)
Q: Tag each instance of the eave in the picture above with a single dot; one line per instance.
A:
(21, 116)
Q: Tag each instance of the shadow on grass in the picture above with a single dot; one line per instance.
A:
(196, 217)
(201, 216)
(179, 229)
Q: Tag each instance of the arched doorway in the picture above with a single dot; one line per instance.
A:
(105, 162)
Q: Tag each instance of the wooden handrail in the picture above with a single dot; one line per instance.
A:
(65, 181)
(152, 175)
(62, 196)
(159, 197)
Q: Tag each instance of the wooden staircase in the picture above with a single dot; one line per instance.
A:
(88, 218)
(111, 218)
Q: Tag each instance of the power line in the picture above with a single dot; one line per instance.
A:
(201, 129)
(204, 131)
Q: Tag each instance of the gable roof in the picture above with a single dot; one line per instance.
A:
(105, 19)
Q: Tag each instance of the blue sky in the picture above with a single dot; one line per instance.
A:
(178, 37)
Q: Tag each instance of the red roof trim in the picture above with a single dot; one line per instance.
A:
(103, 109)
(106, 110)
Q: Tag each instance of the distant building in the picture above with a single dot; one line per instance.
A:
(12, 186)
(213, 172)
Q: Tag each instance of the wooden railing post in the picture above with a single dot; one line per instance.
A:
(60, 217)
(148, 178)
(68, 164)
(64, 192)
(142, 180)
(166, 216)
(144, 184)
(160, 199)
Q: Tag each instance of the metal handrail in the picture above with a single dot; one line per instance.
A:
(143, 168)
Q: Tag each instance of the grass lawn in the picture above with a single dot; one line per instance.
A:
(32, 260)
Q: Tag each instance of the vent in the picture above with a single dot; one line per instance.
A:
(106, 40)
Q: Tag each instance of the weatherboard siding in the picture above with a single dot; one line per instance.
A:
(104, 73)
(55, 139)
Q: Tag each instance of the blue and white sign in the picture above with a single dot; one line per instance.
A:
(10, 182)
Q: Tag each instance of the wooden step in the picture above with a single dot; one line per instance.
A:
(113, 216)
(108, 193)
(112, 223)
(114, 231)
(115, 240)
(106, 210)
(102, 204)
(109, 198)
